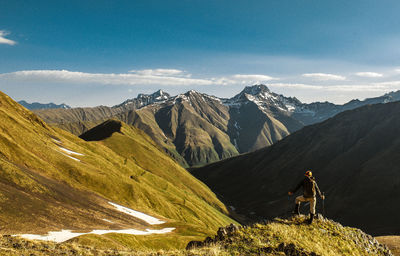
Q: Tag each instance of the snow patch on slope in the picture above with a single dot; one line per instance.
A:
(147, 218)
(73, 158)
(70, 152)
(64, 235)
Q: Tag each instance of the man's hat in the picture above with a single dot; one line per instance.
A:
(308, 174)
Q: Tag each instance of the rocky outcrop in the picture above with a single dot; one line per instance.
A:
(276, 238)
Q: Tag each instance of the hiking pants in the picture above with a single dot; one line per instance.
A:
(312, 201)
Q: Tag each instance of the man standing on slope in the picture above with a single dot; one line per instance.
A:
(310, 189)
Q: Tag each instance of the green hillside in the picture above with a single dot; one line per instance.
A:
(45, 188)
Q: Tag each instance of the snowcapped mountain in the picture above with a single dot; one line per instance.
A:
(267, 101)
(196, 128)
(272, 103)
(144, 100)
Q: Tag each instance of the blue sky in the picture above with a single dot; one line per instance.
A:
(87, 53)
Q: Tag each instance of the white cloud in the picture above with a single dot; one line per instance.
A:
(162, 77)
(297, 86)
(324, 76)
(171, 77)
(371, 87)
(242, 79)
(4, 40)
(144, 78)
(369, 74)
(160, 72)
(253, 77)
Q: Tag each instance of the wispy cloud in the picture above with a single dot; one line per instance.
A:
(297, 86)
(160, 72)
(369, 74)
(176, 78)
(140, 78)
(243, 79)
(4, 40)
(163, 77)
(371, 87)
(324, 76)
(254, 77)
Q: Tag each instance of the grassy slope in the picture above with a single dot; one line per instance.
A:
(41, 189)
(278, 237)
(171, 180)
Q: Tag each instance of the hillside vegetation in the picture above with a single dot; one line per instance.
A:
(52, 180)
(278, 237)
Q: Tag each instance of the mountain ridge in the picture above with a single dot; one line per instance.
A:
(254, 118)
(37, 105)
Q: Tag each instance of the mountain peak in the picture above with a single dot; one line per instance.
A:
(143, 100)
(160, 94)
(256, 89)
(394, 94)
(191, 92)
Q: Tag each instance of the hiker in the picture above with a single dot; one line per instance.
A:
(310, 189)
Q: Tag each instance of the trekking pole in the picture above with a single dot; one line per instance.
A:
(323, 204)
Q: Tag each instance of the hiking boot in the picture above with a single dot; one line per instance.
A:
(311, 218)
(296, 210)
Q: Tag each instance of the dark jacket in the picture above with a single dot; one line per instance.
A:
(310, 187)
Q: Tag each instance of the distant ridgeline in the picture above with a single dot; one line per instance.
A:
(37, 105)
(198, 129)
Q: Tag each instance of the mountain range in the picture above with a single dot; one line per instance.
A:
(197, 128)
(354, 157)
(37, 105)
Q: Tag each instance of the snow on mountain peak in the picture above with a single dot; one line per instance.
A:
(143, 100)
(265, 100)
(256, 89)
